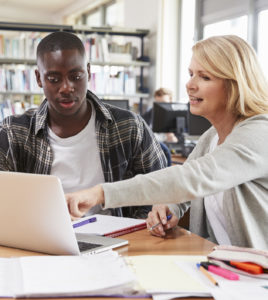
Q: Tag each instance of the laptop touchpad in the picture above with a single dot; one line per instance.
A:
(83, 246)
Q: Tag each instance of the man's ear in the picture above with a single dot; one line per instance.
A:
(38, 80)
(88, 71)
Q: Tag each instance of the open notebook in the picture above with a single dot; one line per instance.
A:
(109, 225)
(34, 216)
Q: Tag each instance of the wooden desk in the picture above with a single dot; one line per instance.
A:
(177, 158)
(178, 242)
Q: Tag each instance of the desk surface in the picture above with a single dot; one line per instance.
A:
(177, 242)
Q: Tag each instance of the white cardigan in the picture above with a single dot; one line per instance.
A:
(239, 167)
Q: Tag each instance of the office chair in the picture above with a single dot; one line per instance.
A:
(167, 152)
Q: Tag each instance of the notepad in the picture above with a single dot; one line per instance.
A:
(110, 225)
(161, 274)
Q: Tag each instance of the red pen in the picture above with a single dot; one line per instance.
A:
(220, 271)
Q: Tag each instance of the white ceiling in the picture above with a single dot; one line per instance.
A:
(38, 11)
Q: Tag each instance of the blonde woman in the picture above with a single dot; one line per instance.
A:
(225, 179)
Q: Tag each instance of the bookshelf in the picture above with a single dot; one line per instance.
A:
(117, 68)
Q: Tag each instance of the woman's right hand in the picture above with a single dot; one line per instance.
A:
(158, 214)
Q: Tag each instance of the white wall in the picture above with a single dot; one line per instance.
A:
(168, 45)
(161, 17)
(144, 14)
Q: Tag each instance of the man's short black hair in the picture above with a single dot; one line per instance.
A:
(59, 40)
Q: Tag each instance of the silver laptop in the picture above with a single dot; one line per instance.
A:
(34, 216)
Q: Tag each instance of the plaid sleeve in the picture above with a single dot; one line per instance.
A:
(149, 155)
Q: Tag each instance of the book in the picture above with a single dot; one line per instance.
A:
(110, 225)
(103, 274)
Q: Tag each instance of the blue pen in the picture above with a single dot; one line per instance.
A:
(154, 226)
(90, 220)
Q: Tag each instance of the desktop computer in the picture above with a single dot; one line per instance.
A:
(176, 117)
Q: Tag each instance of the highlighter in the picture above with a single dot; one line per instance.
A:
(220, 271)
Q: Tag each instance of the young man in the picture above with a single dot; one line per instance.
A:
(72, 134)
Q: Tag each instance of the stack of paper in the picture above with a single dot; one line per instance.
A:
(57, 276)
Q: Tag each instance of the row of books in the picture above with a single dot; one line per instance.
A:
(22, 45)
(124, 82)
(18, 78)
(22, 79)
(8, 108)
(98, 48)
(104, 49)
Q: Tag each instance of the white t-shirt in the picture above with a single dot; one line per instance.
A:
(76, 160)
(214, 210)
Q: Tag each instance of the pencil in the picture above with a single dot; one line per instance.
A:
(206, 273)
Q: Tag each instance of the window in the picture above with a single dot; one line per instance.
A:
(237, 26)
(262, 41)
(94, 18)
(115, 14)
(187, 41)
(109, 13)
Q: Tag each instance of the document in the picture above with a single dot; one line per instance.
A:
(101, 274)
(109, 225)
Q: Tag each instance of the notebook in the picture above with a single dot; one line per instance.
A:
(109, 225)
(34, 216)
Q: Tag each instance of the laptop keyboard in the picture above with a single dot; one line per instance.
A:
(87, 246)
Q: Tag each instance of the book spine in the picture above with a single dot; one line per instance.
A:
(126, 230)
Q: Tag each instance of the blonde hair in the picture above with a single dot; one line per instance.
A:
(162, 92)
(231, 58)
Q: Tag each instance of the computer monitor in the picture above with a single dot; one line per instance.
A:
(170, 117)
(121, 103)
(176, 117)
(197, 125)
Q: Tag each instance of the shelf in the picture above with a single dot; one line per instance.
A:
(17, 61)
(126, 79)
(74, 28)
(33, 62)
(122, 64)
(20, 93)
(120, 96)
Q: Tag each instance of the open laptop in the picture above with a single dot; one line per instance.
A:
(34, 216)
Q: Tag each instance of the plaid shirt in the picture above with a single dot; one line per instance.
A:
(127, 146)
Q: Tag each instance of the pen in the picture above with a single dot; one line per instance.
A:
(154, 226)
(206, 273)
(220, 271)
(90, 220)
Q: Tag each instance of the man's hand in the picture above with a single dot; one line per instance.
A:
(159, 214)
(82, 201)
